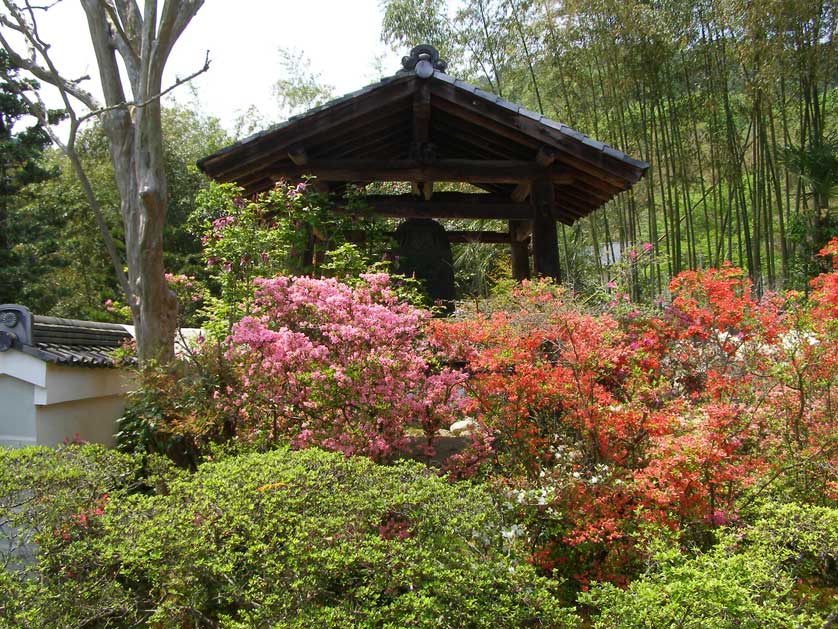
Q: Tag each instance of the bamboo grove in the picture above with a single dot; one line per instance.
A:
(732, 102)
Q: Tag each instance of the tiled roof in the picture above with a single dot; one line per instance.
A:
(60, 341)
(290, 122)
(76, 343)
(457, 83)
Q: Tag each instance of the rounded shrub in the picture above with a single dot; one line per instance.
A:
(304, 539)
(727, 587)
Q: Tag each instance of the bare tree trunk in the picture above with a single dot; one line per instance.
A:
(143, 41)
(136, 139)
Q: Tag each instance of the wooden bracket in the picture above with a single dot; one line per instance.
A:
(298, 155)
(521, 192)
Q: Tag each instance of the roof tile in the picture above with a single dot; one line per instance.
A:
(74, 342)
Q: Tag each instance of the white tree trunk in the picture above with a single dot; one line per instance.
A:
(136, 139)
(143, 40)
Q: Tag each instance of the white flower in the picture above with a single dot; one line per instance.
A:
(511, 533)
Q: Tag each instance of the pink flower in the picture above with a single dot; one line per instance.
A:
(311, 344)
(647, 247)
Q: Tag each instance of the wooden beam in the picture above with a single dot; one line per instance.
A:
(520, 231)
(545, 157)
(467, 170)
(521, 192)
(368, 145)
(345, 140)
(458, 134)
(422, 114)
(444, 205)
(488, 237)
(454, 236)
(519, 249)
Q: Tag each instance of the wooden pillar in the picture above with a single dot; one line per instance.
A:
(545, 243)
(300, 256)
(520, 250)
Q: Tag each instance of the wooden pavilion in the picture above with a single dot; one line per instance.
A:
(425, 127)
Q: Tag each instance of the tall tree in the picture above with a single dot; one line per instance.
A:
(140, 41)
(20, 152)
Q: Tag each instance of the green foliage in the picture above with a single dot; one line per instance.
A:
(59, 264)
(20, 165)
(171, 412)
(299, 88)
(41, 489)
(289, 229)
(803, 537)
(719, 589)
(348, 262)
(293, 539)
(778, 570)
(189, 135)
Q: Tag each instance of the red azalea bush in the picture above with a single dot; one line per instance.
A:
(346, 368)
(601, 425)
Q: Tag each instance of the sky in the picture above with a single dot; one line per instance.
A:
(341, 38)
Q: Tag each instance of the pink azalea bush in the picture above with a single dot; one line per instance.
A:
(346, 368)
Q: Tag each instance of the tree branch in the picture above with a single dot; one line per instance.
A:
(125, 105)
(105, 57)
(126, 43)
(176, 16)
(47, 75)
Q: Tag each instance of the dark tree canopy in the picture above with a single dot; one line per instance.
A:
(20, 163)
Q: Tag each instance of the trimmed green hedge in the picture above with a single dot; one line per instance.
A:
(287, 539)
(778, 571)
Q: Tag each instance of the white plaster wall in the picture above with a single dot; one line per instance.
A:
(17, 412)
(45, 403)
(93, 419)
(23, 367)
(65, 384)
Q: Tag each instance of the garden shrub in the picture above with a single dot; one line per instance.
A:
(777, 571)
(600, 424)
(296, 539)
(344, 367)
(270, 234)
(43, 489)
(803, 537)
(173, 412)
(49, 500)
(719, 589)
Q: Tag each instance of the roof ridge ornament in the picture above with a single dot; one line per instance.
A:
(423, 59)
(15, 326)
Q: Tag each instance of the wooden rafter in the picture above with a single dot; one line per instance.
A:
(467, 170)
